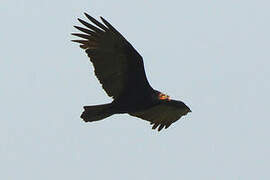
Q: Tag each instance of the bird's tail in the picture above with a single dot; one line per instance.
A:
(96, 113)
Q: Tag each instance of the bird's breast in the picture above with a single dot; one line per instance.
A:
(133, 103)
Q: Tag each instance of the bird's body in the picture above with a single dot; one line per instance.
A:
(120, 70)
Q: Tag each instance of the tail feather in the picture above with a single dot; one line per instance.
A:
(96, 113)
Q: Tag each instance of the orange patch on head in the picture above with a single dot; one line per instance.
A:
(162, 96)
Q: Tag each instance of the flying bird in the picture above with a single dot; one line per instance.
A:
(120, 70)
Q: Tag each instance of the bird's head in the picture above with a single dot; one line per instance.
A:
(161, 96)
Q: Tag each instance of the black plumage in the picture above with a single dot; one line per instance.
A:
(120, 70)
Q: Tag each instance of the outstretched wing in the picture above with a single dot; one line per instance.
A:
(163, 114)
(118, 66)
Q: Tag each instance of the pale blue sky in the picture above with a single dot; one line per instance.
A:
(213, 55)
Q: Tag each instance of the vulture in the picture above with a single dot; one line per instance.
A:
(120, 70)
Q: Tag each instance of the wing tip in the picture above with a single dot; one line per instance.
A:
(88, 16)
(102, 18)
(160, 126)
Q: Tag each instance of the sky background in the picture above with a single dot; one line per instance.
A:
(213, 55)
